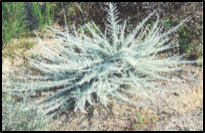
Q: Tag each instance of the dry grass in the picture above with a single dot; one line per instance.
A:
(181, 109)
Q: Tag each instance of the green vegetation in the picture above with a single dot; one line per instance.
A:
(26, 44)
(185, 34)
(37, 13)
(8, 52)
(43, 17)
(49, 14)
(45, 13)
(34, 56)
(167, 23)
(187, 44)
(140, 119)
(86, 30)
(13, 20)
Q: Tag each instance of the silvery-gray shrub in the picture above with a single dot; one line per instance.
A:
(16, 116)
(100, 67)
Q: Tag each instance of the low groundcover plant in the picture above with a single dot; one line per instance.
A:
(100, 68)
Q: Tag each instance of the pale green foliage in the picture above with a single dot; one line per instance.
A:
(17, 116)
(97, 68)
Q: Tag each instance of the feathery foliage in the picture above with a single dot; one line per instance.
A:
(100, 67)
(17, 117)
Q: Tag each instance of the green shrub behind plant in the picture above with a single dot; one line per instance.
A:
(37, 13)
(13, 20)
(49, 14)
(187, 42)
(43, 17)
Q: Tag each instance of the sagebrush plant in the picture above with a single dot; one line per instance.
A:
(100, 68)
(17, 117)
